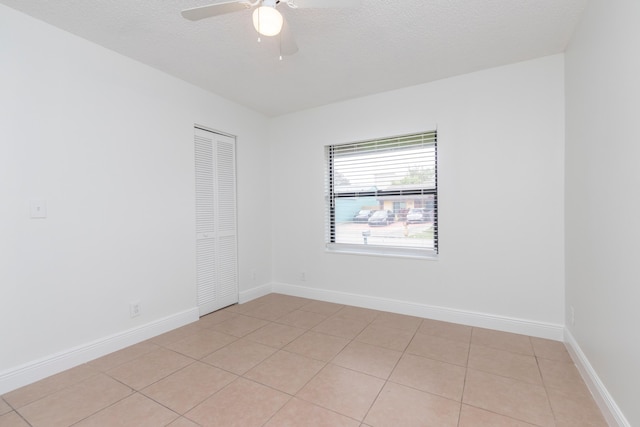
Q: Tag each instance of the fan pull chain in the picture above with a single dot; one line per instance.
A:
(259, 27)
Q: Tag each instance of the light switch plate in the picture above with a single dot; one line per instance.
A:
(38, 209)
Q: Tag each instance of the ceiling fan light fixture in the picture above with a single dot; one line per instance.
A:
(267, 21)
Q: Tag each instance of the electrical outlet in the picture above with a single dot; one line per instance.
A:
(134, 309)
(303, 276)
(572, 315)
(253, 275)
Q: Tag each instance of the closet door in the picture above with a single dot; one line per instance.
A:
(216, 234)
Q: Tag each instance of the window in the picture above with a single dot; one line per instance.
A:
(382, 196)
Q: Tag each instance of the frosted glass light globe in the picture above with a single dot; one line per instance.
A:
(267, 21)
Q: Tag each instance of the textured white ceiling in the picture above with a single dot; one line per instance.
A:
(344, 53)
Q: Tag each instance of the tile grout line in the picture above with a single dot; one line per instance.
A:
(336, 355)
(387, 380)
(464, 381)
(14, 410)
(544, 385)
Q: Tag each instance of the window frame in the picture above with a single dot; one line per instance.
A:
(379, 250)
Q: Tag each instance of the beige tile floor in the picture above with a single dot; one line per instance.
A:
(285, 361)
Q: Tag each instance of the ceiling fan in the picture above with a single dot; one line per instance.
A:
(267, 20)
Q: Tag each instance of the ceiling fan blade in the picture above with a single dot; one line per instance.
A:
(323, 3)
(288, 45)
(215, 9)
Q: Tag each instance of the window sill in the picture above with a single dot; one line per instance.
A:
(383, 251)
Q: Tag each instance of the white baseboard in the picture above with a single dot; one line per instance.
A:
(30, 372)
(253, 293)
(601, 395)
(481, 320)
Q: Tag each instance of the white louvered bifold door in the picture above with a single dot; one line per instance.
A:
(216, 235)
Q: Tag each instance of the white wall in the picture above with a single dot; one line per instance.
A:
(501, 156)
(602, 203)
(108, 143)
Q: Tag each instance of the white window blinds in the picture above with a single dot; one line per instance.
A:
(383, 193)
